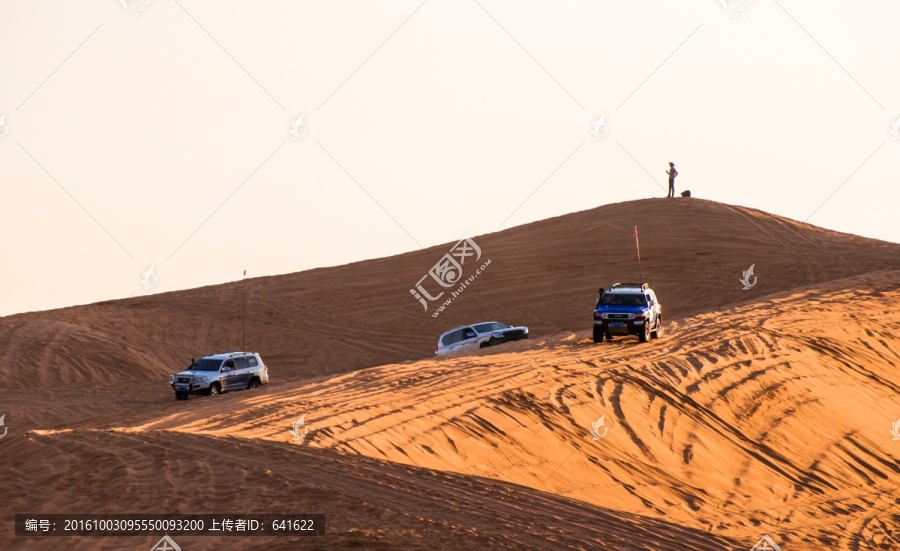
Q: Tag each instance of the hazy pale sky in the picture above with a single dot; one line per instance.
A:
(163, 139)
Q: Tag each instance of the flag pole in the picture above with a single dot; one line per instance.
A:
(637, 244)
(243, 312)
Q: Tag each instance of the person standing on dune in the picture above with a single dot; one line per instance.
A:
(672, 174)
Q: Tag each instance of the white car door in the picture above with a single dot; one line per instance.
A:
(229, 375)
(469, 340)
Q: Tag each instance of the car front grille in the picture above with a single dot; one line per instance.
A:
(183, 379)
(514, 334)
(618, 316)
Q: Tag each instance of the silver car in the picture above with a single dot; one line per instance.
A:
(219, 373)
(479, 335)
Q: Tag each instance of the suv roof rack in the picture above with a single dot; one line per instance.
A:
(642, 286)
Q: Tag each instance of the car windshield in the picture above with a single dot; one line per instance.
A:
(623, 299)
(207, 364)
(492, 326)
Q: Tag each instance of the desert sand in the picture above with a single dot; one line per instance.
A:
(760, 411)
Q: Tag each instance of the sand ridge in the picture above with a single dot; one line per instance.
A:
(733, 424)
(761, 411)
(544, 275)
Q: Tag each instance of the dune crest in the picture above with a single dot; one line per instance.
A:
(544, 275)
(766, 411)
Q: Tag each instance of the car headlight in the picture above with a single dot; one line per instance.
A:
(201, 380)
(497, 334)
(171, 379)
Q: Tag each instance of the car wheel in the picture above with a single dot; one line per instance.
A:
(181, 395)
(484, 345)
(644, 333)
(254, 384)
(598, 334)
(215, 389)
(658, 333)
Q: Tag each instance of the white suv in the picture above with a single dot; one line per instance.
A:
(479, 335)
(219, 373)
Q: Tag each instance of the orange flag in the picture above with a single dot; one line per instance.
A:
(637, 244)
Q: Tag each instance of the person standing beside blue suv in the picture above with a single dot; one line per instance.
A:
(628, 309)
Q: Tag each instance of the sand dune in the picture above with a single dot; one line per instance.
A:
(770, 418)
(544, 275)
(760, 412)
(368, 503)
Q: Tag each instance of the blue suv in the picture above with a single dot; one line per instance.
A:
(628, 309)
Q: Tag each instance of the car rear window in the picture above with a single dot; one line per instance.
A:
(452, 337)
(623, 299)
(252, 361)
